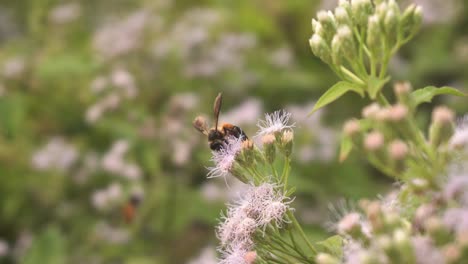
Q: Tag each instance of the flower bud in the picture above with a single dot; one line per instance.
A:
(361, 9)
(336, 48)
(373, 141)
(342, 16)
(327, 20)
(374, 214)
(345, 36)
(323, 258)
(287, 142)
(250, 257)
(316, 26)
(452, 253)
(247, 156)
(344, 3)
(403, 245)
(370, 111)
(374, 32)
(269, 148)
(411, 20)
(402, 91)
(320, 48)
(351, 127)
(398, 112)
(442, 127)
(391, 27)
(397, 150)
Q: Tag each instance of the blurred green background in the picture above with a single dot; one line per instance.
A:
(96, 104)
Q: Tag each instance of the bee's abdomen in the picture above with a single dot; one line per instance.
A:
(234, 131)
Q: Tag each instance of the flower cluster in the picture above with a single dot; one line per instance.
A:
(263, 210)
(387, 134)
(420, 227)
(260, 207)
(358, 39)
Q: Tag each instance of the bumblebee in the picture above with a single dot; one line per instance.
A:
(218, 135)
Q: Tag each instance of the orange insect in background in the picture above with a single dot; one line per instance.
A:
(129, 210)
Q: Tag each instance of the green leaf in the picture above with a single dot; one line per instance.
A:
(374, 85)
(48, 247)
(335, 92)
(333, 246)
(345, 148)
(426, 94)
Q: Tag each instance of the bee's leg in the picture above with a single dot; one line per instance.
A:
(216, 146)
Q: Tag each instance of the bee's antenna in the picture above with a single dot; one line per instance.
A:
(217, 108)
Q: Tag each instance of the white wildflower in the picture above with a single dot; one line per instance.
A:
(460, 137)
(349, 223)
(274, 122)
(4, 248)
(234, 255)
(14, 67)
(425, 251)
(56, 154)
(456, 219)
(229, 232)
(225, 158)
(266, 203)
(65, 13)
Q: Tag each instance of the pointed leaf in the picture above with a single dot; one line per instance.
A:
(333, 246)
(374, 85)
(345, 148)
(335, 92)
(425, 95)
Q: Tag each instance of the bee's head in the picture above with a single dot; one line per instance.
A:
(215, 134)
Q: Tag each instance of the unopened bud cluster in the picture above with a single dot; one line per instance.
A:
(393, 143)
(359, 37)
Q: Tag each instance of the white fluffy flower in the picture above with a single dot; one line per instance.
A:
(425, 251)
(234, 229)
(225, 158)
(274, 122)
(460, 137)
(235, 255)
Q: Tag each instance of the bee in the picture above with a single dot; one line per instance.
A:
(129, 210)
(218, 135)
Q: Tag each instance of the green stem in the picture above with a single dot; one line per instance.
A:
(285, 174)
(382, 100)
(301, 232)
(352, 76)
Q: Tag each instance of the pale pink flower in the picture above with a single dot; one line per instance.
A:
(460, 137)
(56, 154)
(235, 255)
(425, 251)
(65, 13)
(274, 123)
(225, 158)
(4, 248)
